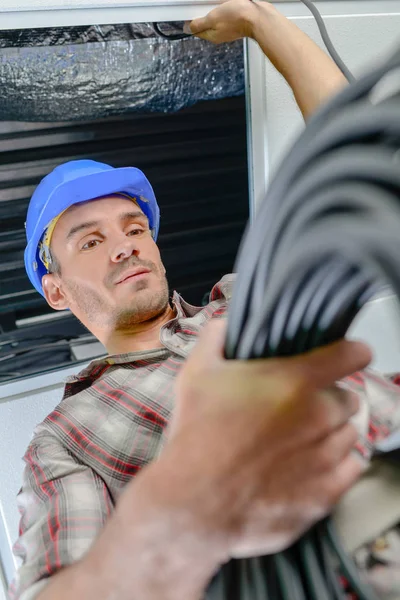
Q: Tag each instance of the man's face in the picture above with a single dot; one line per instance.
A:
(111, 275)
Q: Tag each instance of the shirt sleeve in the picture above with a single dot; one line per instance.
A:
(63, 506)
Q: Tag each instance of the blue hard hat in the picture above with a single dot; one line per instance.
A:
(79, 181)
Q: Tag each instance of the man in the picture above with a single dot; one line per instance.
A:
(114, 506)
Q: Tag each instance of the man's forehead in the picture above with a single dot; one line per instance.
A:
(100, 208)
(102, 202)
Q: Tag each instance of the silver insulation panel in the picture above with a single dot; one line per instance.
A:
(89, 73)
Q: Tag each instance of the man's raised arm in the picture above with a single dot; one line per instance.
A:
(310, 72)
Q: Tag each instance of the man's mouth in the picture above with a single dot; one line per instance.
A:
(133, 273)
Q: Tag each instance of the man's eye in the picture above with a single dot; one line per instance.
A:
(90, 244)
(136, 231)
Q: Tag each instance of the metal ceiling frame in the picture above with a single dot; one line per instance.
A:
(32, 14)
(24, 14)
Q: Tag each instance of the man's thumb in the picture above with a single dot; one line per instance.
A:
(196, 26)
(211, 341)
(324, 366)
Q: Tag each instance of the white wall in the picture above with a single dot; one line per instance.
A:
(364, 33)
(378, 324)
(362, 41)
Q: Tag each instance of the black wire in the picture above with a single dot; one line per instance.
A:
(171, 36)
(327, 40)
(321, 26)
(362, 589)
(288, 576)
(6, 374)
(317, 590)
(51, 345)
(328, 567)
(259, 581)
(58, 343)
(13, 343)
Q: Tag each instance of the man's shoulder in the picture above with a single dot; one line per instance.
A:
(64, 425)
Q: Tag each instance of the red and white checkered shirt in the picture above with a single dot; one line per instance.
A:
(110, 423)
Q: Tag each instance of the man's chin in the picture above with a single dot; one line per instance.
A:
(146, 306)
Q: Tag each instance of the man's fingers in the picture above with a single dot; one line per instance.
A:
(324, 366)
(334, 449)
(210, 344)
(343, 478)
(203, 30)
(199, 25)
(336, 407)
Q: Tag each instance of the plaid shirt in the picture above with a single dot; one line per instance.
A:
(110, 423)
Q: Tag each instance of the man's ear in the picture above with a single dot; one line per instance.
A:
(53, 292)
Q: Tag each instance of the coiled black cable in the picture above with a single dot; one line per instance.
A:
(326, 238)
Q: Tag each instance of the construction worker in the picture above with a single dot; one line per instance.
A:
(139, 486)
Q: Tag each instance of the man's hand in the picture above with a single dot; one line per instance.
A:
(258, 452)
(311, 74)
(266, 444)
(231, 21)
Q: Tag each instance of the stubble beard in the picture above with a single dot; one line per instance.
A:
(146, 306)
(93, 311)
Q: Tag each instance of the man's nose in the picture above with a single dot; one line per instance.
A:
(125, 248)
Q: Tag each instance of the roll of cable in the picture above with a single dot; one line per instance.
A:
(326, 238)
